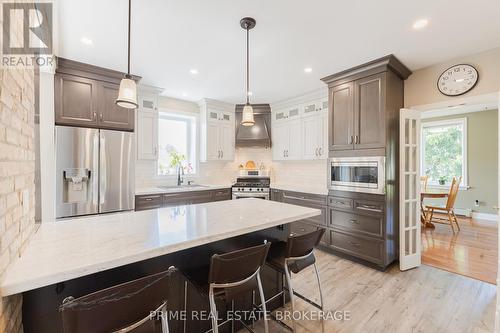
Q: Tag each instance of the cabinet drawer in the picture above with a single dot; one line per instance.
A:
(370, 225)
(320, 220)
(148, 202)
(305, 197)
(372, 208)
(187, 198)
(301, 228)
(222, 194)
(369, 249)
(341, 203)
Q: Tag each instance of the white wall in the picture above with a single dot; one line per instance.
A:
(47, 145)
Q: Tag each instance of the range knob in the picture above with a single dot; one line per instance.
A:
(250, 189)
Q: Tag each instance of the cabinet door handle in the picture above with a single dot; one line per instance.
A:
(356, 139)
(222, 154)
(351, 140)
(100, 116)
(354, 221)
(320, 152)
(316, 152)
(95, 115)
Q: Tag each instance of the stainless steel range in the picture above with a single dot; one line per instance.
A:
(251, 187)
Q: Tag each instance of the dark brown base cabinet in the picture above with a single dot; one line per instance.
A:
(358, 225)
(152, 201)
(306, 200)
(85, 96)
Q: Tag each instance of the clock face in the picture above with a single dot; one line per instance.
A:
(457, 80)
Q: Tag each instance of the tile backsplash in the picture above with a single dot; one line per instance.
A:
(308, 173)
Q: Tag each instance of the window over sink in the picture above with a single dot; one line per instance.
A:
(177, 135)
(444, 151)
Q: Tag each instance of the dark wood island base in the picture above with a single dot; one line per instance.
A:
(41, 306)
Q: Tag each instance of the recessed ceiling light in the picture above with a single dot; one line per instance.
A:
(86, 41)
(420, 24)
(193, 71)
(308, 70)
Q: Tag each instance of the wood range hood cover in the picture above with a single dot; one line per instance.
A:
(258, 135)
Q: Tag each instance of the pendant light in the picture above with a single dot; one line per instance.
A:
(127, 95)
(247, 23)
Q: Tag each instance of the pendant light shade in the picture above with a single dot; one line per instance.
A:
(127, 95)
(247, 119)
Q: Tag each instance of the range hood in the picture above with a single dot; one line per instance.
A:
(258, 135)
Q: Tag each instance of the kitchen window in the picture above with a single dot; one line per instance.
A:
(444, 151)
(176, 143)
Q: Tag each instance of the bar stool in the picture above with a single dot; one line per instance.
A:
(131, 306)
(230, 275)
(294, 255)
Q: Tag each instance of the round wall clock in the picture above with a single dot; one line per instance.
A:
(457, 80)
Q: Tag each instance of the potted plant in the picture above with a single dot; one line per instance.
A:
(442, 180)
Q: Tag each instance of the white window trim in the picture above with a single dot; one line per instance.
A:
(195, 143)
(464, 185)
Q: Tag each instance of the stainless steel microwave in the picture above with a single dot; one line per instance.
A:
(357, 174)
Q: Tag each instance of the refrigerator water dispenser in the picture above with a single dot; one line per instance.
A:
(76, 182)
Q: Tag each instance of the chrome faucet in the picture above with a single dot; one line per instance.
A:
(180, 175)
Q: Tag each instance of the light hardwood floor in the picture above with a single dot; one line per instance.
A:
(472, 251)
(424, 299)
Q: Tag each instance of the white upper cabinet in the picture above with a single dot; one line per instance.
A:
(217, 131)
(300, 132)
(147, 127)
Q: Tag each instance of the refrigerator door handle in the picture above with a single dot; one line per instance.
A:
(94, 173)
(103, 170)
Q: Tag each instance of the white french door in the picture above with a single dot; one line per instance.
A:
(409, 189)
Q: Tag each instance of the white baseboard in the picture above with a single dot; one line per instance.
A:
(485, 216)
(467, 212)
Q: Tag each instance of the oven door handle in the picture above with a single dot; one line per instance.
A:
(252, 195)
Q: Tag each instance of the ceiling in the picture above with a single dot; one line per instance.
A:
(169, 38)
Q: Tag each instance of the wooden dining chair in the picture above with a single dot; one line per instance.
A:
(448, 209)
(423, 183)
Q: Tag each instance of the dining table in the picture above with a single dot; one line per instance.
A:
(429, 194)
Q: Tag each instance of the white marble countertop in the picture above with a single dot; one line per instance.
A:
(180, 189)
(301, 188)
(64, 250)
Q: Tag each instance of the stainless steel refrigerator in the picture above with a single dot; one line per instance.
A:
(94, 171)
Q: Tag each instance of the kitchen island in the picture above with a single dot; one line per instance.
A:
(81, 255)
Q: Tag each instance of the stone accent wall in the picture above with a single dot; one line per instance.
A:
(17, 172)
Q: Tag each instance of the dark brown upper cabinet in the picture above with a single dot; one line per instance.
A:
(364, 105)
(112, 115)
(369, 112)
(76, 100)
(85, 96)
(341, 117)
